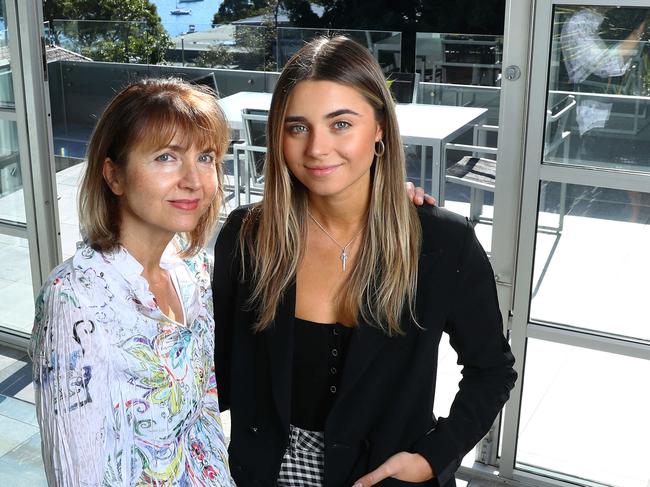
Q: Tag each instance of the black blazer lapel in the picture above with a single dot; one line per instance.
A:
(280, 342)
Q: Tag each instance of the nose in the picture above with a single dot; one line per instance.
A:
(191, 178)
(319, 144)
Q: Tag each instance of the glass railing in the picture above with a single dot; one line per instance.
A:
(462, 96)
(111, 41)
(385, 45)
(466, 59)
(264, 48)
(232, 46)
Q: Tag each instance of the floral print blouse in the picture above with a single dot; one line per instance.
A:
(124, 395)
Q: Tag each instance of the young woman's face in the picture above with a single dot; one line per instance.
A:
(164, 191)
(329, 138)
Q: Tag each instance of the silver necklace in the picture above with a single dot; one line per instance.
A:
(344, 248)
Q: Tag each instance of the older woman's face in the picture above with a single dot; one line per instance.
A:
(330, 131)
(164, 191)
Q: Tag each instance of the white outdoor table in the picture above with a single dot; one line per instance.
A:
(419, 124)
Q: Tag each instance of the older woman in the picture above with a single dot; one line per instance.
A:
(123, 337)
(332, 294)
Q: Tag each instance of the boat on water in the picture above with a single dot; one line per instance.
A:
(181, 11)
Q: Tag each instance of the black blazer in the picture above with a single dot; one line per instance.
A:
(385, 399)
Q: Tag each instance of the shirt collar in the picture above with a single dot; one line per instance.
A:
(121, 261)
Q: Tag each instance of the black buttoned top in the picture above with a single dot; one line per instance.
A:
(318, 360)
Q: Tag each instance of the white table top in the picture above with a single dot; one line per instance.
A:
(418, 123)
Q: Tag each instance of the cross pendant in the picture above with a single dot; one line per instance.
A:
(344, 258)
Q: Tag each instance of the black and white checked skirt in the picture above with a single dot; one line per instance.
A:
(304, 461)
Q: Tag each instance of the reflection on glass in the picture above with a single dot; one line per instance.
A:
(6, 87)
(591, 269)
(585, 414)
(16, 292)
(599, 87)
(12, 204)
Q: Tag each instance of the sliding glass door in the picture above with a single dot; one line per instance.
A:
(580, 318)
(28, 220)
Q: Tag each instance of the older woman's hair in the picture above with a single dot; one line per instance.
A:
(149, 114)
(385, 275)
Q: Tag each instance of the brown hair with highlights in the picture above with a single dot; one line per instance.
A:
(384, 278)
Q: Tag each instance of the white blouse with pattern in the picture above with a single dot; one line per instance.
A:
(126, 396)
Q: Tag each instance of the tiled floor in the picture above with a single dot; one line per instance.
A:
(20, 447)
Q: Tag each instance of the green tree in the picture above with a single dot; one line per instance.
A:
(411, 16)
(258, 42)
(231, 10)
(215, 57)
(300, 13)
(133, 31)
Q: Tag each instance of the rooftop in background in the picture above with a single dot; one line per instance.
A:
(53, 53)
(283, 17)
(205, 37)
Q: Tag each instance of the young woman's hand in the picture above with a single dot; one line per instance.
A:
(408, 467)
(418, 196)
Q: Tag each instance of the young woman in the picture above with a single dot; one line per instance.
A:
(331, 296)
(123, 337)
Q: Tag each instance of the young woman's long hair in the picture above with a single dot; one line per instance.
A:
(384, 278)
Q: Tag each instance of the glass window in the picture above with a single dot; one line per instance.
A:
(12, 201)
(585, 414)
(599, 86)
(461, 71)
(6, 86)
(67, 186)
(16, 292)
(591, 267)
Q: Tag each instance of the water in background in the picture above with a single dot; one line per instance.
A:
(201, 17)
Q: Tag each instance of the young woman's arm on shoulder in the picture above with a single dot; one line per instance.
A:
(70, 379)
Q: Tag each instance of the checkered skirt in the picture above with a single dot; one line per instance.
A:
(304, 461)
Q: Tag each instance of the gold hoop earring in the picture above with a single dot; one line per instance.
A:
(382, 148)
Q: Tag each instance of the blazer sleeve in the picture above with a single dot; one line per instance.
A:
(225, 277)
(70, 376)
(476, 333)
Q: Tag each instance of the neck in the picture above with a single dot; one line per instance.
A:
(340, 213)
(147, 252)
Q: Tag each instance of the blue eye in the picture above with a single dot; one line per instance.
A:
(341, 125)
(166, 157)
(297, 129)
(206, 158)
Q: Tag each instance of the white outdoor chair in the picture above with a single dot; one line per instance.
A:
(479, 173)
(254, 151)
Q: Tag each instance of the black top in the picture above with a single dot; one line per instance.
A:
(318, 359)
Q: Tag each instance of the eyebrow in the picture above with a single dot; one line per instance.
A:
(334, 114)
(181, 148)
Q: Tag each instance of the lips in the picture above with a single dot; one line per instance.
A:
(187, 205)
(322, 170)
